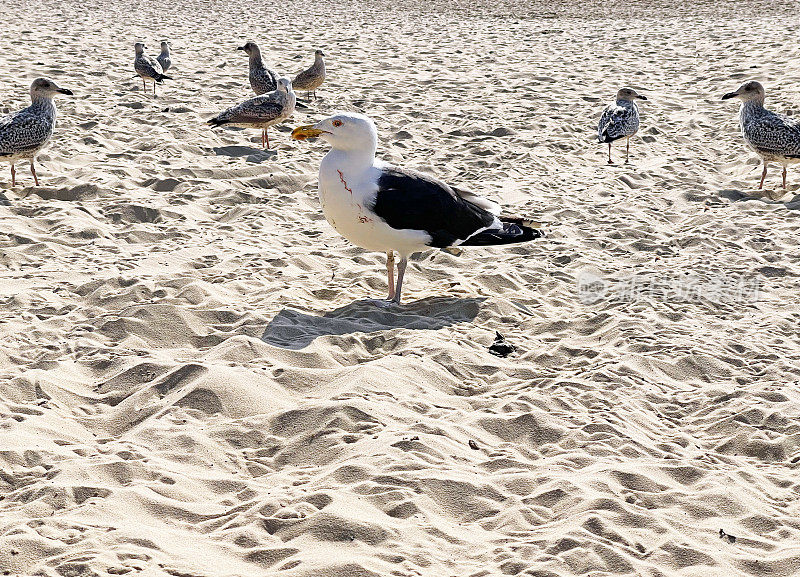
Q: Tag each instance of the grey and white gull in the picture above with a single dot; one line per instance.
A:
(390, 209)
(148, 67)
(311, 78)
(619, 120)
(262, 111)
(774, 137)
(24, 133)
(164, 59)
(262, 79)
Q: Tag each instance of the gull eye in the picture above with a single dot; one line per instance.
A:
(337, 123)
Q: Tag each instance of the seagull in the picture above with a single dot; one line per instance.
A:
(262, 79)
(775, 137)
(620, 119)
(262, 111)
(163, 59)
(23, 134)
(148, 67)
(386, 208)
(311, 78)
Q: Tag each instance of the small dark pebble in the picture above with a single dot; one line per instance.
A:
(473, 445)
(500, 347)
(166, 109)
(728, 538)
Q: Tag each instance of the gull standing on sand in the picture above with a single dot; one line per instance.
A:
(164, 59)
(148, 67)
(262, 111)
(312, 78)
(262, 79)
(620, 119)
(23, 134)
(774, 137)
(387, 208)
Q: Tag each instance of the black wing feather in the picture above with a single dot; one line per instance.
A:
(410, 200)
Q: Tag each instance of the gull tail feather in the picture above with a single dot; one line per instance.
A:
(605, 136)
(515, 230)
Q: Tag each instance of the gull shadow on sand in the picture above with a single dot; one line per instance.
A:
(735, 195)
(251, 154)
(294, 330)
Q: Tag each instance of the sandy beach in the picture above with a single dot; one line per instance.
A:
(193, 382)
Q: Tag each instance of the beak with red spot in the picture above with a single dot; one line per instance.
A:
(307, 131)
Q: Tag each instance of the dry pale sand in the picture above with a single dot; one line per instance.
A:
(191, 381)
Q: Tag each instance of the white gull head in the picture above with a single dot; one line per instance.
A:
(346, 131)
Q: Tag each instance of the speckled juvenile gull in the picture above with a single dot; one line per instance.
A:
(164, 58)
(262, 111)
(148, 67)
(775, 137)
(262, 79)
(23, 134)
(312, 78)
(389, 208)
(620, 119)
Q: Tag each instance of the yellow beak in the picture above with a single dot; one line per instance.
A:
(305, 132)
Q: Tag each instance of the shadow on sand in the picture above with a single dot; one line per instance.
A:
(252, 154)
(737, 195)
(295, 330)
